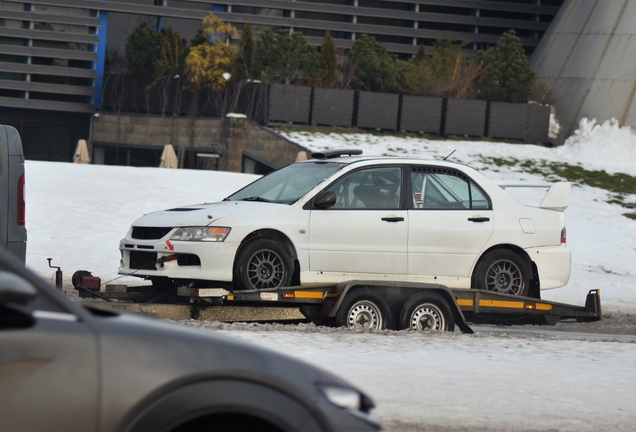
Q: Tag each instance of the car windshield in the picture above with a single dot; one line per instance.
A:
(287, 185)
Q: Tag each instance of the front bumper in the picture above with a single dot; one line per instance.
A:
(177, 259)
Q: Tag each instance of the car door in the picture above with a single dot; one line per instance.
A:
(48, 367)
(366, 230)
(450, 222)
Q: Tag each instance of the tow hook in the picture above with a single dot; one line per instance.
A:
(166, 258)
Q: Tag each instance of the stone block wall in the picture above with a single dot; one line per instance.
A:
(235, 134)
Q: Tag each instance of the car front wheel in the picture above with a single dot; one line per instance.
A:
(263, 264)
(502, 271)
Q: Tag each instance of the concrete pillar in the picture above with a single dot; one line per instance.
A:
(233, 137)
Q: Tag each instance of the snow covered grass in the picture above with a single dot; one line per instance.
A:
(76, 214)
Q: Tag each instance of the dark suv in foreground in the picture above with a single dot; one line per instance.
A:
(67, 368)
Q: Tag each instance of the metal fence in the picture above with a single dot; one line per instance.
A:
(277, 104)
(392, 112)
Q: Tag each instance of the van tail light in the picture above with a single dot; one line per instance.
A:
(563, 236)
(21, 202)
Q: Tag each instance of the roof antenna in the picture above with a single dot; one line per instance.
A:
(450, 154)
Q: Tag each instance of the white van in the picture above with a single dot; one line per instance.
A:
(13, 235)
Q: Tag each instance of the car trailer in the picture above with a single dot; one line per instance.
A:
(361, 304)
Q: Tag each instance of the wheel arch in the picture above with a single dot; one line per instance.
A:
(277, 236)
(397, 294)
(534, 275)
(252, 402)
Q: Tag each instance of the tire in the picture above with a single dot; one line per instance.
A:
(77, 277)
(427, 311)
(364, 309)
(504, 272)
(263, 264)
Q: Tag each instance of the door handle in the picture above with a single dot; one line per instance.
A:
(479, 219)
(393, 219)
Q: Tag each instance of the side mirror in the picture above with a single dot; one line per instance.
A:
(15, 290)
(325, 199)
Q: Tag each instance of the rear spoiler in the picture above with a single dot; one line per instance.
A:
(557, 198)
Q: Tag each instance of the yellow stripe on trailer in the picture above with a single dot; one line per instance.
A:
(308, 294)
(465, 302)
(543, 306)
(502, 304)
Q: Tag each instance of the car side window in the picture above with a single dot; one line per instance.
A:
(444, 189)
(370, 188)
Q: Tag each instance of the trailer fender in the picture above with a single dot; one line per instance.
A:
(396, 294)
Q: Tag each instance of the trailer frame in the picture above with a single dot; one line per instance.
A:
(323, 304)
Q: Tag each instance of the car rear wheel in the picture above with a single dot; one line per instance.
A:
(364, 309)
(427, 312)
(263, 264)
(502, 271)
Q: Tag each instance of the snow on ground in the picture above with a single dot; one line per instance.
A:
(76, 214)
(433, 382)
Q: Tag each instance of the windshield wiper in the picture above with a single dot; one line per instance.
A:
(256, 198)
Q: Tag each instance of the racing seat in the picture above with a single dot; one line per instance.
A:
(376, 197)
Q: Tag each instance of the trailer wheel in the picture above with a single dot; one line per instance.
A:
(364, 309)
(502, 271)
(425, 312)
(263, 264)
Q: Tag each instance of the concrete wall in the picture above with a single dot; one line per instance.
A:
(588, 61)
(235, 134)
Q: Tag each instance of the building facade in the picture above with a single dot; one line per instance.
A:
(53, 53)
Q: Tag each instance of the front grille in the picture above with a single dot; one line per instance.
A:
(143, 260)
(149, 233)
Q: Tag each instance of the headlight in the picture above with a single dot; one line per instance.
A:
(206, 234)
(346, 398)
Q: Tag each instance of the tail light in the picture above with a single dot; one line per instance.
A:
(21, 202)
(563, 236)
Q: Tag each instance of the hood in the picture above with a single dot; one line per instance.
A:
(202, 214)
(166, 350)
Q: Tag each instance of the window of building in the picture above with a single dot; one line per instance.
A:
(393, 39)
(53, 79)
(446, 10)
(56, 10)
(63, 28)
(384, 5)
(6, 58)
(76, 46)
(59, 97)
(13, 41)
(5, 5)
(316, 16)
(390, 22)
(445, 26)
(9, 23)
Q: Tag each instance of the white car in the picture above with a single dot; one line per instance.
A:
(341, 217)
